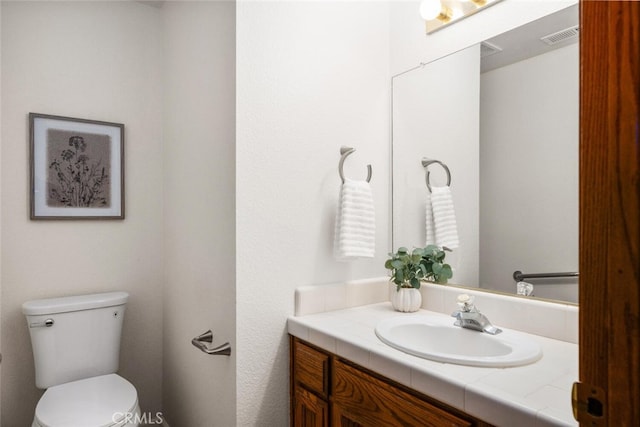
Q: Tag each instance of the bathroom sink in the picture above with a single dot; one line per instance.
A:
(435, 338)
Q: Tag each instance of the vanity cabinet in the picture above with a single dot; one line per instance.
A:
(327, 390)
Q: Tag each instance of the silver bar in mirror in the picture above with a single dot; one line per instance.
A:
(519, 276)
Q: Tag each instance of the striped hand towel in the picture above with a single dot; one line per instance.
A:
(355, 222)
(444, 226)
(430, 227)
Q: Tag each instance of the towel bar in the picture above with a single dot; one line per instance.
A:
(426, 162)
(344, 152)
(519, 276)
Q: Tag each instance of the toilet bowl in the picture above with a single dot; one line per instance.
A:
(76, 345)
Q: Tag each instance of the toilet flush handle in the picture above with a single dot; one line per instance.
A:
(48, 323)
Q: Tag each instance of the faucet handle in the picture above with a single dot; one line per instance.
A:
(465, 302)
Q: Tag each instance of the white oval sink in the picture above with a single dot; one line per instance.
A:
(435, 338)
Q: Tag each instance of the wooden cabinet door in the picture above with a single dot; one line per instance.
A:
(340, 418)
(360, 400)
(310, 410)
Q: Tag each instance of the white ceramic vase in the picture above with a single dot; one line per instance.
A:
(406, 300)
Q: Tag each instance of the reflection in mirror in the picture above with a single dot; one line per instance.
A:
(503, 116)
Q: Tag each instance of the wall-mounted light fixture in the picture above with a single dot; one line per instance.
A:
(440, 13)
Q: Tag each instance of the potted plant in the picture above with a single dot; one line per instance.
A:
(408, 270)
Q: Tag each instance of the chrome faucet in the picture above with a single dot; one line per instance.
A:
(469, 317)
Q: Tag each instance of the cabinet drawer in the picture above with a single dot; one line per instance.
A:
(360, 399)
(311, 368)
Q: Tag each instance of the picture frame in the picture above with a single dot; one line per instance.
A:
(77, 168)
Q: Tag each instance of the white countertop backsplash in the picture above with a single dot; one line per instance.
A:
(341, 319)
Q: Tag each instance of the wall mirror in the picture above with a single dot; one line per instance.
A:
(503, 116)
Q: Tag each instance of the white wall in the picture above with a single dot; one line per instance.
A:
(529, 171)
(436, 115)
(311, 76)
(94, 60)
(199, 180)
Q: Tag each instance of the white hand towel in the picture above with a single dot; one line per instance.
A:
(444, 217)
(430, 227)
(355, 222)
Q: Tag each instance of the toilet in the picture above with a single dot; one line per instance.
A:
(76, 346)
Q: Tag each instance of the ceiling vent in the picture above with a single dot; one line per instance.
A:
(561, 36)
(487, 49)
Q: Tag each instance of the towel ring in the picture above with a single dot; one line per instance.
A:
(344, 152)
(426, 162)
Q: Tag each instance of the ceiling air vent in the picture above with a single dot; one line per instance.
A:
(560, 36)
(487, 49)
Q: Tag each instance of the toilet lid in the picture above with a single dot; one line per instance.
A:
(97, 402)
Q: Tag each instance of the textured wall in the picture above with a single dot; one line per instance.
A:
(199, 177)
(311, 76)
(94, 60)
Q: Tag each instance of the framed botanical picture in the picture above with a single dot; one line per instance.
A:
(77, 168)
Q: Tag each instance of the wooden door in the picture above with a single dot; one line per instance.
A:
(610, 209)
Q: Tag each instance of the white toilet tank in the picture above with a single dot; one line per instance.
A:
(75, 337)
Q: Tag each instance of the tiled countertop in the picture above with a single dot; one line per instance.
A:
(538, 394)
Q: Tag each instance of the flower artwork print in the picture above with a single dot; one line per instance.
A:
(77, 168)
(79, 165)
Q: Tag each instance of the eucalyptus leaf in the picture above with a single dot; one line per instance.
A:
(446, 271)
(397, 264)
